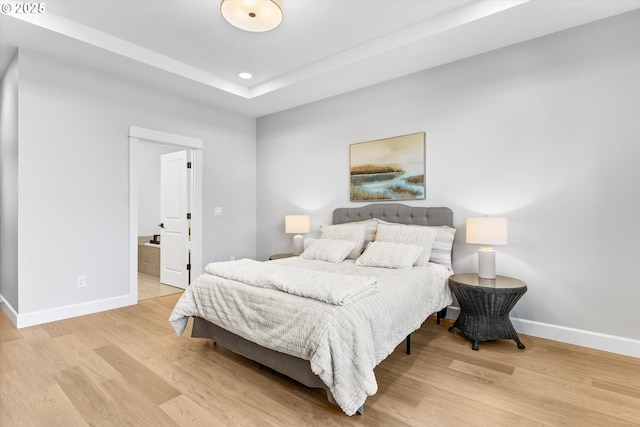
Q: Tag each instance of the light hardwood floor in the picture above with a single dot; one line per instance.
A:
(127, 367)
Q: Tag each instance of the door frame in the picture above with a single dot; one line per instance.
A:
(136, 136)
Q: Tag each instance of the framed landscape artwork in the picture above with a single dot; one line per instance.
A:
(388, 169)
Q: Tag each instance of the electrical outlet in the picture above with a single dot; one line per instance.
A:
(82, 281)
(232, 258)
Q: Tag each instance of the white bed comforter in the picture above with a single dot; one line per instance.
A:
(336, 289)
(342, 343)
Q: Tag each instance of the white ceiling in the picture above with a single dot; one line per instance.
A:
(323, 47)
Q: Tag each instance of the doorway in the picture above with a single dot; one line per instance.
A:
(146, 149)
(162, 259)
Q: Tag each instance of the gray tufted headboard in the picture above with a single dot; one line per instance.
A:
(395, 212)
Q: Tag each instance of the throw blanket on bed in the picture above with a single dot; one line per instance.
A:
(332, 288)
(343, 343)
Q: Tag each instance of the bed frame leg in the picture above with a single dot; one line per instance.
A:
(442, 314)
(360, 410)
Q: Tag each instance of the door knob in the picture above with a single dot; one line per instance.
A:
(161, 225)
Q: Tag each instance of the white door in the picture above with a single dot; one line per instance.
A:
(174, 232)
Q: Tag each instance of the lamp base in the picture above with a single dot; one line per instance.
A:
(298, 244)
(487, 263)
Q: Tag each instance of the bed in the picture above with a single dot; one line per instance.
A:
(331, 341)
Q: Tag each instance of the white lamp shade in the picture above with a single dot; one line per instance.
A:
(297, 224)
(252, 15)
(487, 231)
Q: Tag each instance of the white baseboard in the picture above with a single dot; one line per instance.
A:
(610, 343)
(595, 340)
(453, 312)
(66, 312)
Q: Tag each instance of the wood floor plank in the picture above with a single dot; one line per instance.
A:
(630, 387)
(51, 352)
(184, 412)
(127, 367)
(205, 396)
(91, 338)
(110, 318)
(14, 402)
(34, 373)
(138, 375)
(429, 402)
(52, 408)
(438, 405)
(480, 371)
(598, 401)
(137, 409)
(150, 323)
(5, 361)
(63, 327)
(169, 301)
(96, 408)
(133, 341)
(230, 381)
(95, 367)
(533, 404)
(159, 305)
(8, 332)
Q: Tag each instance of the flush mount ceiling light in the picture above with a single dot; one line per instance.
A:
(252, 15)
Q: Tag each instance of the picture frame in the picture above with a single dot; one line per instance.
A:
(388, 169)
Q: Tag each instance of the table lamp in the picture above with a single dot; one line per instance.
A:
(297, 224)
(487, 231)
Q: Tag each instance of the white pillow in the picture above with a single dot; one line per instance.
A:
(411, 235)
(371, 225)
(352, 232)
(389, 255)
(331, 250)
(442, 245)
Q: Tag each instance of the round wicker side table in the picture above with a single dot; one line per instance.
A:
(485, 305)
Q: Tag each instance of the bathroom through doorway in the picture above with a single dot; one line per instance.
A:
(165, 214)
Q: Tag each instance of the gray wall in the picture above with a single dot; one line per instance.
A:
(73, 171)
(545, 133)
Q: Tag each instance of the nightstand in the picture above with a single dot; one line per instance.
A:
(280, 256)
(485, 305)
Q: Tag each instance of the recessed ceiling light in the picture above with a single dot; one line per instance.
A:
(245, 76)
